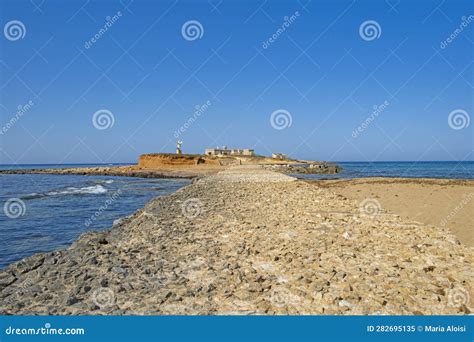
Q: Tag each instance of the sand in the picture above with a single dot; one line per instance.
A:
(436, 202)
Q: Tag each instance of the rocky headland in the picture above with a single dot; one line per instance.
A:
(249, 241)
(167, 165)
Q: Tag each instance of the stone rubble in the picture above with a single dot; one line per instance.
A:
(248, 241)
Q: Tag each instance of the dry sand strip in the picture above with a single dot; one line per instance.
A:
(249, 241)
(440, 202)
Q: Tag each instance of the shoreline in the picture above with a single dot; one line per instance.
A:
(229, 244)
(119, 171)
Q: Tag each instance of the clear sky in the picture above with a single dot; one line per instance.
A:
(320, 66)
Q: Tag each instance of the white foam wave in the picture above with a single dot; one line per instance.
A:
(96, 189)
(104, 181)
(92, 190)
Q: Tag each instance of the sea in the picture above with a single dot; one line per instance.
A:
(41, 213)
(406, 169)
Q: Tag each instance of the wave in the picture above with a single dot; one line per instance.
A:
(105, 181)
(93, 190)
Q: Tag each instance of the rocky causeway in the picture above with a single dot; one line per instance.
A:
(248, 241)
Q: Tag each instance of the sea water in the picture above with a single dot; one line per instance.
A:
(41, 213)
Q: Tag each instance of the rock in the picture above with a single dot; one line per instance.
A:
(70, 300)
(6, 279)
(345, 303)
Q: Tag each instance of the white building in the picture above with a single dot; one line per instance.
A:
(279, 156)
(224, 151)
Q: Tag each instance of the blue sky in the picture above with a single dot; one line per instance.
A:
(320, 72)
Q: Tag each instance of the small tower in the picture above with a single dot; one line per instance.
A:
(178, 147)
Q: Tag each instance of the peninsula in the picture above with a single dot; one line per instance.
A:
(167, 165)
(248, 240)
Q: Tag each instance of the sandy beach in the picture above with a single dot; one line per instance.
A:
(440, 202)
(251, 241)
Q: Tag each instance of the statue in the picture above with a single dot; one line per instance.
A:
(178, 147)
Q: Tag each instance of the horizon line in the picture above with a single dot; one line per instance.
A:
(331, 161)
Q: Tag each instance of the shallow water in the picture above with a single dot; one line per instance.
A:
(457, 170)
(53, 210)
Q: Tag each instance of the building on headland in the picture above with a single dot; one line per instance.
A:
(279, 156)
(224, 151)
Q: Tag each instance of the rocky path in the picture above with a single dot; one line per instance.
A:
(249, 241)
